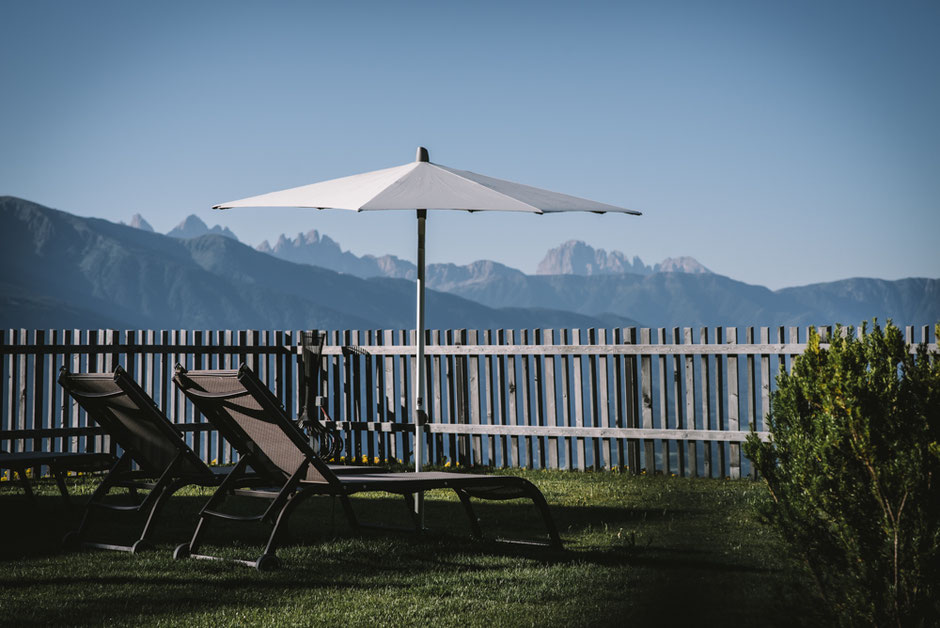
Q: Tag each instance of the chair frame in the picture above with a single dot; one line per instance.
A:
(58, 462)
(289, 487)
(159, 478)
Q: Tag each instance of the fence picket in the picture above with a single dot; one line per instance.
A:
(630, 405)
(567, 443)
(705, 396)
(551, 415)
(525, 403)
(646, 367)
(691, 445)
(734, 449)
(664, 403)
(475, 396)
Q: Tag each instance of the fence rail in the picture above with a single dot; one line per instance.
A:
(674, 401)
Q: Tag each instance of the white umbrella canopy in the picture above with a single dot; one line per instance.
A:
(419, 186)
(424, 185)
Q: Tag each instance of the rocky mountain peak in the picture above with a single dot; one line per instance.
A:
(578, 258)
(138, 222)
(193, 227)
(319, 249)
(681, 265)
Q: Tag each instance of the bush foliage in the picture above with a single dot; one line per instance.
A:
(852, 467)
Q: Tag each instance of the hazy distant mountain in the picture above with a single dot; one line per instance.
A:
(571, 258)
(320, 250)
(453, 278)
(64, 271)
(138, 222)
(666, 299)
(577, 258)
(193, 227)
(681, 265)
(914, 301)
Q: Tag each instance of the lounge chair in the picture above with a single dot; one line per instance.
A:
(58, 463)
(240, 405)
(165, 463)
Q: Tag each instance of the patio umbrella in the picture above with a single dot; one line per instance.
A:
(419, 186)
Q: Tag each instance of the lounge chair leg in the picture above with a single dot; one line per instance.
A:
(60, 481)
(142, 542)
(200, 528)
(410, 507)
(475, 529)
(280, 525)
(539, 500)
(350, 513)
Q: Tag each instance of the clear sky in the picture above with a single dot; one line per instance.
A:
(779, 143)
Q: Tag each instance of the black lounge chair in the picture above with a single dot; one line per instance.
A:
(240, 405)
(165, 463)
(58, 462)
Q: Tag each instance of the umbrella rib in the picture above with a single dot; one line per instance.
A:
(380, 192)
(485, 187)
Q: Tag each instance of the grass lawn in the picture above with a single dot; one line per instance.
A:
(654, 550)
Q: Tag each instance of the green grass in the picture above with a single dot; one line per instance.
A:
(661, 551)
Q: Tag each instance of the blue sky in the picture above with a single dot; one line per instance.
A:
(778, 143)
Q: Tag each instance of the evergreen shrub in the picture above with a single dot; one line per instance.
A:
(853, 469)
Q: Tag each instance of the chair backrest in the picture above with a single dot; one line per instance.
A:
(127, 413)
(250, 417)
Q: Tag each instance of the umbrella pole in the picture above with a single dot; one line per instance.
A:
(420, 414)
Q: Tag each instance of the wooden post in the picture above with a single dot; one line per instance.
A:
(512, 418)
(678, 401)
(491, 399)
(475, 395)
(608, 449)
(664, 402)
(38, 361)
(462, 400)
(691, 445)
(390, 441)
(579, 402)
(720, 366)
(567, 443)
(734, 449)
(551, 415)
(540, 392)
(435, 374)
(595, 444)
(630, 401)
(646, 368)
(525, 403)
(707, 423)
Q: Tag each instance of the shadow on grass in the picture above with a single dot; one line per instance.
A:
(625, 562)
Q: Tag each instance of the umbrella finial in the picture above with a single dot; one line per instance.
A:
(422, 154)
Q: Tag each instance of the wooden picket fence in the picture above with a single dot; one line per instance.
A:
(677, 401)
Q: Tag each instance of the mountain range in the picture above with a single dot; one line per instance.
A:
(65, 271)
(571, 258)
